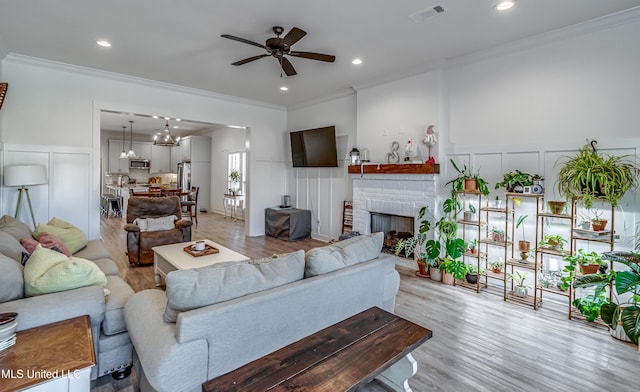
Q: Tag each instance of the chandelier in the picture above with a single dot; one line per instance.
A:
(166, 139)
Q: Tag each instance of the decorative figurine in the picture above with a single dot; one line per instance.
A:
(392, 155)
(430, 140)
(409, 151)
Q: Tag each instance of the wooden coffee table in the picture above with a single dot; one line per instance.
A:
(167, 258)
(52, 357)
(373, 344)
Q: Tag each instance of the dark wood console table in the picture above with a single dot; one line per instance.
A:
(342, 357)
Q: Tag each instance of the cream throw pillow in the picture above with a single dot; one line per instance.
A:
(162, 223)
(48, 271)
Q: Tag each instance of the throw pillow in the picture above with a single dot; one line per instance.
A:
(342, 254)
(72, 237)
(11, 279)
(162, 223)
(14, 227)
(10, 246)
(194, 288)
(49, 271)
(141, 223)
(47, 240)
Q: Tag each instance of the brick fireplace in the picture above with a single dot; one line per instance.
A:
(393, 194)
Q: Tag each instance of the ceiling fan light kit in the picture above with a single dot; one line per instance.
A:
(278, 48)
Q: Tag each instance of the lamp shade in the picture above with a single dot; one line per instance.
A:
(19, 175)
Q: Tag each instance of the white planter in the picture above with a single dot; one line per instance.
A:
(520, 291)
(435, 274)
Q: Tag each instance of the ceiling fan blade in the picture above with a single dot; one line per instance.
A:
(293, 36)
(250, 59)
(246, 41)
(287, 67)
(314, 56)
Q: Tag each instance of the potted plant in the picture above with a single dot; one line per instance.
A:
(590, 306)
(597, 223)
(468, 181)
(524, 246)
(619, 314)
(515, 181)
(520, 288)
(470, 214)
(472, 273)
(556, 207)
(591, 174)
(473, 246)
(452, 267)
(588, 263)
(234, 176)
(553, 241)
(497, 235)
(496, 266)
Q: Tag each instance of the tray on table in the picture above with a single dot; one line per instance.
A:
(208, 250)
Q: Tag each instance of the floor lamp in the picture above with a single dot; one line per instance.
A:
(23, 176)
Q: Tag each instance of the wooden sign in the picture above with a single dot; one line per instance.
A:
(3, 92)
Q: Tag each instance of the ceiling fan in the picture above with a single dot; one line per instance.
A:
(281, 47)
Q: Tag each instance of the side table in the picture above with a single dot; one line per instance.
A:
(52, 357)
(289, 224)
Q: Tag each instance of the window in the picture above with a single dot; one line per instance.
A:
(237, 162)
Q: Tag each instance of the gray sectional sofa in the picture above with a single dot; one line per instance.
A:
(215, 319)
(111, 342)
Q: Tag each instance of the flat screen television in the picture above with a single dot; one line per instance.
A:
(314, 147)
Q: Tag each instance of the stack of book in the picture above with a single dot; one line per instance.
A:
(8, 325)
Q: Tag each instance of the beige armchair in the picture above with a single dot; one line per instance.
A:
(139, 241)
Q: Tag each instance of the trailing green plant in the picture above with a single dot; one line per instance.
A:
(580, 258)
(518, 178)
(457, 184)
(591, 174)
(473, 269)
(624, 282)
(591, 305)
(553, 241)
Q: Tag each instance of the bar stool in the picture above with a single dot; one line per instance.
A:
(110, 203)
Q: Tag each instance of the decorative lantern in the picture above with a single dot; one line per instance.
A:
(354, 156)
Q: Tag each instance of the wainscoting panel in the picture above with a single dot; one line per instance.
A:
(70, 197)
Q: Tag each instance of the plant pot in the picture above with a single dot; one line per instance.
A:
(422, 271)
(470, 184)
(447, 278)
(496, 270)
(585, 225)
(556, 207)
(435, 274)
(469, 216)
(473, 251)
(599, 225)
(472, 278)
(498, 237)
(524, 246)
(589, 269)
(520, 291)
(554, 244)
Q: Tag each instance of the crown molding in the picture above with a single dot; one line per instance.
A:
(20, 59)
(340, 94)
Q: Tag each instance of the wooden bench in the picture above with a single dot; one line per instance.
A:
(347, 355)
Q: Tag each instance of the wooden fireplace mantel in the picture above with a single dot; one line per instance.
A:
(395, 168)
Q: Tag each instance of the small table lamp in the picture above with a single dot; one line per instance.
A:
(22, 176)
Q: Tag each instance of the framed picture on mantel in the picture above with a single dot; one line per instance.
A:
(3, 92)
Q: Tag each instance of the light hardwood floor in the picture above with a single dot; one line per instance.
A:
(480, 342)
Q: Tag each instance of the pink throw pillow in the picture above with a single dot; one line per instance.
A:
(47, 241)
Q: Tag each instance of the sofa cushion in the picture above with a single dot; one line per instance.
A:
(93, 251)
(194, 288)
(156, 224)
(10, 246)
(11, 279)
(114, 304)
(48, 271)
(47, 240)
(14, 227)
(342, 254)
(107, 266)
(72, 237)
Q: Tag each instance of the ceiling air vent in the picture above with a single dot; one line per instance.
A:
(427, 13)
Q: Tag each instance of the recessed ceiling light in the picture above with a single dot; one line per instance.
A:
(167, 118)
(505, 5)
(104, 43)
(175, 127)
(236, 126)
(356, 62)
(284, 88)
(178, 119)
(154, 116)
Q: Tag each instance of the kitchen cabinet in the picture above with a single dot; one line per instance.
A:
(142, 149)
(117, 165)
(175, 158)
(185, 149)
(161, 159)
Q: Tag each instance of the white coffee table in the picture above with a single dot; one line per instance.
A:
(172, 257)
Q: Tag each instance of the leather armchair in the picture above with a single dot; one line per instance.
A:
(139, 243)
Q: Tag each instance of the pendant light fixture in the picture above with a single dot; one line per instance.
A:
(166, 139)
(123, 154)
(131, 153)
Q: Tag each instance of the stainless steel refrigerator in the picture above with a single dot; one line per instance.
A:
(184, 176)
